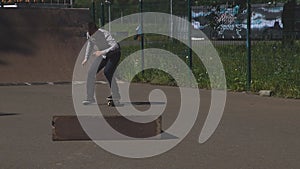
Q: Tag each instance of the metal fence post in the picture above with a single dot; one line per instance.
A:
(142, 35)
(171, 23)
(102, 14)
(109, 14)
(189, 35)
(248, 45)
(93, 11)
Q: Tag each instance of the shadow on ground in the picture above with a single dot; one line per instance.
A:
(8, 114)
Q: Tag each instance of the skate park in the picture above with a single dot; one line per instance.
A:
(38, 52)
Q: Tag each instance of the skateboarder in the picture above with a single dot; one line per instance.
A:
(107, 52)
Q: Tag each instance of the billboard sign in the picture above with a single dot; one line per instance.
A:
(230, 23)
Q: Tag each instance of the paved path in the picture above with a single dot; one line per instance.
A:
(254, 133)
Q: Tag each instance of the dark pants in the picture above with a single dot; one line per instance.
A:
(110, 64)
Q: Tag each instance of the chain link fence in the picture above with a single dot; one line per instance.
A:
(275, 49)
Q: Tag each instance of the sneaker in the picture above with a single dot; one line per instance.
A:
(88, 102)
(114, 103)
(109, 97)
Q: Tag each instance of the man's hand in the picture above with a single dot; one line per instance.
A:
(84, 62)
(98, 53)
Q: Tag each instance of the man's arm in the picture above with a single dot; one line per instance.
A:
(111, 42)
(88, 50)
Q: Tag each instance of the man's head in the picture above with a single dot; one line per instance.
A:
(92, 28)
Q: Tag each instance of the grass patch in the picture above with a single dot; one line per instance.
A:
(274, 67)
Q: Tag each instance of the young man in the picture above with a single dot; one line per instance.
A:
(107, 52)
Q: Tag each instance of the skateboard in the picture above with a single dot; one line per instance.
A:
(113, 103)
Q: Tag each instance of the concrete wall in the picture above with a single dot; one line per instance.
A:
(40, 45)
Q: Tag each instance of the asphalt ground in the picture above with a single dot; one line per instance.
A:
(254, 133)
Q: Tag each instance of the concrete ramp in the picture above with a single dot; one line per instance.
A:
(40, 45)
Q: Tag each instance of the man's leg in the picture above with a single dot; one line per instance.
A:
(102, 65)
(109, 72)
(90, 85)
